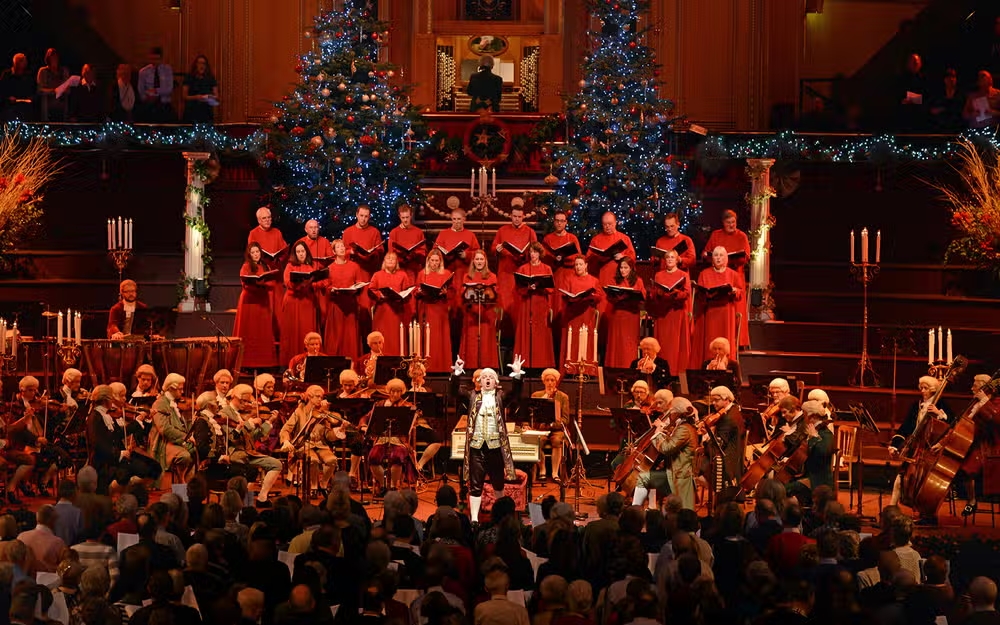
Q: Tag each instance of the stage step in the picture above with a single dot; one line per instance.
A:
(906, 309)
(913, 279)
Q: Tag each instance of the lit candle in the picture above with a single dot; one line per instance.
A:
(427, 340)
(3, 337)
(111, 237)
(864, 246)
(569, 343)
(595, 344)
(120, 239)
(582, 348)
(59, 329)
(494, 181)
(482, 182)
(930, 346)
(128, 244)
(13, 341)
(79, 329)
(949, 346)
(472, 183)
(852, 246)
(878, 246)
(402, 345)
(940, 344)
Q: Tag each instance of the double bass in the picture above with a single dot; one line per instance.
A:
(785, 455)
(938, 459)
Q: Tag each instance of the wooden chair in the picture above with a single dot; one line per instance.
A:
(844, 459)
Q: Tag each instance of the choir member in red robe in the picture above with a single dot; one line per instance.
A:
(322, 254)
(673, 239)
(670, 307)
(343, 337)
(365, 247)
(604, 265)
(448, 240)
(298, 307)
(314, 347)
(716, 315)
(432, 308)
(390, 310)
(479, 347)
(513, 235)
(533, 336)
(253, 314)
(408, 242)
(733, 239)
(271, 242)
(582, 310)
(561, 261)
(623, 315)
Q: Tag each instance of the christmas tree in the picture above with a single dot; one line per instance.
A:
(617, 157)
(345, 135)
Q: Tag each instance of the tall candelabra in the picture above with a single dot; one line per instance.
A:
(69, 344)
(483, 200)
(865, 271)
(8, 360)
(938, 367)
(120, 243)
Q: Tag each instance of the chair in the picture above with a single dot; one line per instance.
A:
(844, 459)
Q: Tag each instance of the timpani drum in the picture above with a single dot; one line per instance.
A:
(197, 359)
(114, 361)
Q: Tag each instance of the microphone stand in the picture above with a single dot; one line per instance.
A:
(220, 336)
(578, 475)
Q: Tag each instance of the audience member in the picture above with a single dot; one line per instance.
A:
(51, 76)
(155, 90)
(200, 92)
(46, 548)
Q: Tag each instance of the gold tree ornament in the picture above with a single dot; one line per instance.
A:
(25, 168)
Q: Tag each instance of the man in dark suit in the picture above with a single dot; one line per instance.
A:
(485, 87)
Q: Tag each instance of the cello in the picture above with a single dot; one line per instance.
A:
(643, 455)
(928, 479)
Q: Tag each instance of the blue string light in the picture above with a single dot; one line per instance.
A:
(114, 135)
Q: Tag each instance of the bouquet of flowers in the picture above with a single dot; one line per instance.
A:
(975, 209)
(25, 168)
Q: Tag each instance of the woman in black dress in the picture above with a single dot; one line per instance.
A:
(201, 91)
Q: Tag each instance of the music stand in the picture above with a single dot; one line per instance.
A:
(383, 420)
(322, 369)
(756, 432)
(387, 368)
(865, 421)
(622, 380)
(700, 382)
(759, 385)
(351, 407)
(542, 410)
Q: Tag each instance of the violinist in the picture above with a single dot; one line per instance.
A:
(141, 422)
(557, 435)
(777, 389)
(223, 381)
(366, 368)
(677, 444)
(12, 456)
(817, 470)
(350, 388)
(145, 386)
(27, 436)
(170, 431)
(918, 411)
(651, 365)
(72, 394)
(423, 431)
(308, 415)
(249, 428)
(648, 483)
(818, 394)
(393, 451)
(297, 365)
(113, 447)
(264, 385)
(725, 449)
(212, 439)
(640, 397)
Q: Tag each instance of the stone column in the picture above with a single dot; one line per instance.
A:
(761, 222)
(194, 244)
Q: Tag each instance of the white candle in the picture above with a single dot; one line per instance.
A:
(949, 346)
(582, 348)
(128, 243)
(3, 337)
(119, 229)
(595, 345)
(852, 246)
(864, 246)
(878, 246)
(402, 345)
(79, 328)
(111, 237)
(13, 341)
(482, 182)
(472, 183)
(940, 344)
(59, 329)
(569, 343)
(494, 181)
(930, 346)
(427, 339)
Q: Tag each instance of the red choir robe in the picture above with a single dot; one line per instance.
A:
(342, 336)
(366, 238)
(735, 242)
(271, 241)
(508, 261)
(579, 312)
(671, 317)
(447, 240)
(604, 267)
(685, 260)
(562, 268)
(389, 313)
(253, 321)
(717, 317)
(402, 239)
(479, 346)
(320, 249)
(434, 311)
(298, 312)
(622, 326)
(533, 330)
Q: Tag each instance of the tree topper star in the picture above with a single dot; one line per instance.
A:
(483, 138)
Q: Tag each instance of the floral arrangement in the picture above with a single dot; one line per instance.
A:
(25, 168)
(975, 209)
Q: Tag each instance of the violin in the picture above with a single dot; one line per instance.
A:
(710, 421)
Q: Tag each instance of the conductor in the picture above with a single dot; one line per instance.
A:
(485, 87)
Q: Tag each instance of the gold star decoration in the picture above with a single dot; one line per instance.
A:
(483, 138)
